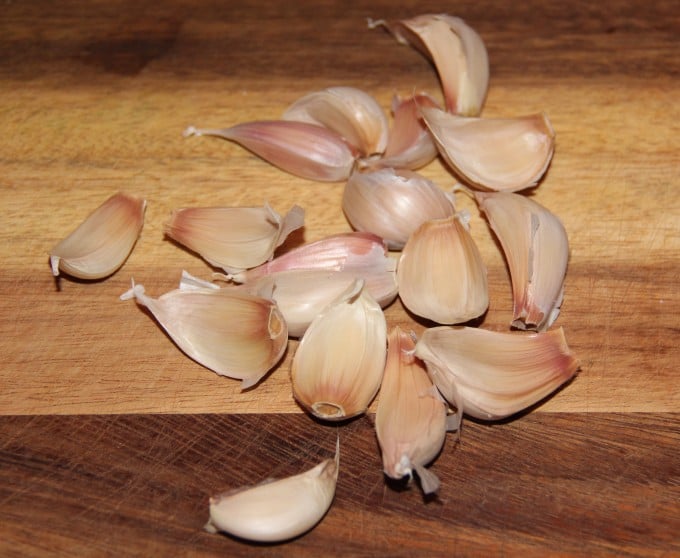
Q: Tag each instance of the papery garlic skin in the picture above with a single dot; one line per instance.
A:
(441, 275)
(491, 375)
(393, 203)
(102, 242)
(339, 363)
(228, 331)
(536, 248)
(278, 510)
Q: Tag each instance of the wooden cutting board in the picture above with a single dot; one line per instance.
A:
(111, 440)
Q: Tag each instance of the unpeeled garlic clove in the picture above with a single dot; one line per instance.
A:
(490, 375)
(393, 203)
(228, 331)
(275, 511)
(350, 112)
(494, 153)
(233, 238)
(303, 149)
(441, 275)
(101, 243)
(536, 248)
(340, 360)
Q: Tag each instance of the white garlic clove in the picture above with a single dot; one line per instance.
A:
(228, 331)
(340, 360)
(393, 203)
(233, 238)
(441, 275)
(490, 375)
(101, 244)
(278, 510)
(536, 248)
(503, 154)
(305, 150)
(350, 112)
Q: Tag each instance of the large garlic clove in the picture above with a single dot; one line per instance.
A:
(536, 248)
(410, 420)
(441, 275)
(348, 111)
(494, 153)
(393, 204)
(230, 332)
(458, 54)
(233, 238)
(490, 375)
(275, 511)
(300, 148)
(101, 243)
(340, 360)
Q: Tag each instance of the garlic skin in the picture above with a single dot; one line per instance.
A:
(228, 331)
(279, 510)
(441, 275)
(410, 420)
(350, 112)
(536, 248)
(490, 375)
(393, 203)
(339, 363)
(233, 238)
(305, 150)
(102, 242)
(502, 154)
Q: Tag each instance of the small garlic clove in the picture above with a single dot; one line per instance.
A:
(233, 238)
(350, 112)
(490, 375)
(230, 332)
(340, 360)
(393, 203)
(536, 248)
(305, 150)
(101, 244)
(441, 275)
(278, 510)
(494, 153)
(411, 419)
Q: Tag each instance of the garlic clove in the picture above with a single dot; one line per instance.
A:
(101, 244)
(230, 332)
(536, 248)
(233, 238)
(279, 510)
(490, 375)
(494, 153)
(339, 363)
(393, 203)
(305, 150)
(349, 112)
(441, 275)
(410, 420)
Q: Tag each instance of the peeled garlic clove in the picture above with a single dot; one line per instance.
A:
(410, 420)
(494, 375)
(101, 243)
(393, 203)
(494, 153)
(441, 275)
(536, 248)
(340, 360)
(300, 148)
(233, 238)
(230, 332)
(348, 111)
(279, 510)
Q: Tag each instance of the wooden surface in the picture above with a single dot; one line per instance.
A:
(111, 440)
